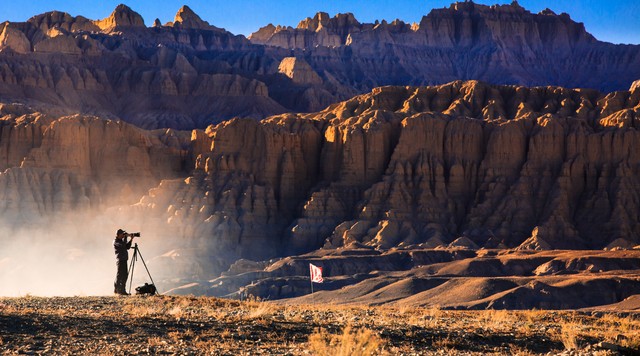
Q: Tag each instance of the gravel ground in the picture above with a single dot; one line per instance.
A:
(137, 325)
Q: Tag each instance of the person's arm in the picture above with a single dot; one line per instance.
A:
(129, 243)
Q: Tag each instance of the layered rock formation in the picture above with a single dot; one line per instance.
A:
(121, 18)
(188, 73)
(119, 68)
(299, 71)
(462, 165)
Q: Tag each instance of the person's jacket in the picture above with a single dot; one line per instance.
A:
(121, 246)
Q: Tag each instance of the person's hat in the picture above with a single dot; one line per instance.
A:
(120, 231)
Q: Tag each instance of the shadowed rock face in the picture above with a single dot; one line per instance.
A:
(181, 75)
(500, 44)
(188, 74)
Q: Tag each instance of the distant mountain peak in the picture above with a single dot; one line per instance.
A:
(122, 16)
(187, 18)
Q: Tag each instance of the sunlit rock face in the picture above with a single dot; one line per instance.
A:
(464, 164)
(188, 74)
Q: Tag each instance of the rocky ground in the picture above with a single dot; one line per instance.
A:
(199, 325)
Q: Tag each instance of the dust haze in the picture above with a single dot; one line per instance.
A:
(72, 254)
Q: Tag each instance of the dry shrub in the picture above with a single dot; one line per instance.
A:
(138, 311)
(177, 336)
(519, 351)
(225, 334)
(293, 314)
(359, 342)
(628, 324)
(216, 313)
(632, 342)
(260, 310)
(533, 316)
(428, 318)
(433, 313)
(155, 341)
(185, 303)
(207, 347)
(497, 319)
(530, 321)
(569, 335)
(624, 331)
(444, 343)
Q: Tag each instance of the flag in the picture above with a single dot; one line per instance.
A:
(316, 273)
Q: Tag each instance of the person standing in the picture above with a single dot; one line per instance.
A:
(121, 246)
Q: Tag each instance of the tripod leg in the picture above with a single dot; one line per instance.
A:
(149, 273)
(131, 267)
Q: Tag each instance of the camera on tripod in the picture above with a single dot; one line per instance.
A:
(133, 234)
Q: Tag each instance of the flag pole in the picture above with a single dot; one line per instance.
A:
(311, 277)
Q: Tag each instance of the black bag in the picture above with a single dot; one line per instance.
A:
(146, 289)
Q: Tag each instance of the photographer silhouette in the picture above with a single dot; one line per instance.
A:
(121, 246)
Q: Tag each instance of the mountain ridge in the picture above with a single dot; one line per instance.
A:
(75, 64)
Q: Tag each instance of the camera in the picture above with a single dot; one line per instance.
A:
(134, 234)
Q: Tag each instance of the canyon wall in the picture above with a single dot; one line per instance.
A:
(351, 148)
(464, 164)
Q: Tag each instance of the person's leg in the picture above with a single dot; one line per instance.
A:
(116, 282)
(121, 277)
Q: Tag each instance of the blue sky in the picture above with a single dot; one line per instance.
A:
(616, 21)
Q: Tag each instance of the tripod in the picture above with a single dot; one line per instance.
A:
(136, 253)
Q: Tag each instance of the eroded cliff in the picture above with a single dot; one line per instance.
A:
(55, 168)
(464, 164)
